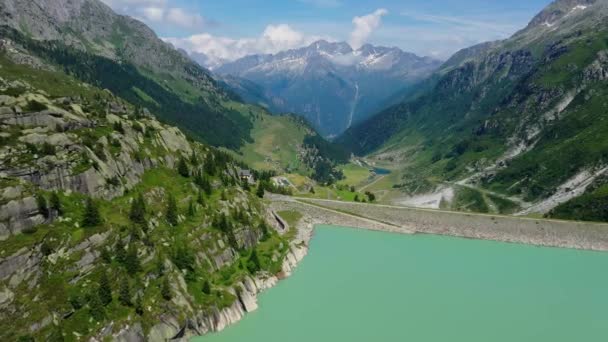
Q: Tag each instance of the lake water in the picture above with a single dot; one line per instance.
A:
(360, 285)
(381, 172)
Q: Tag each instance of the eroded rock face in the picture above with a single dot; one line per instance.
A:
(18, 215)
(46, 147)
(22, 264)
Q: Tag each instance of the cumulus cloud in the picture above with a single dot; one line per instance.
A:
(218, 49)
(365, 26)
(158, 12)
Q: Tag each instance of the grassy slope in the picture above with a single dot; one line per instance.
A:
(275, 143)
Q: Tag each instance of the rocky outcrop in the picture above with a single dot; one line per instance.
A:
(19, 215)
(20, 266)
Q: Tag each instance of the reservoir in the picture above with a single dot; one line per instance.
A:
(358, 285)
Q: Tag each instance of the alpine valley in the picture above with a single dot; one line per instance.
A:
(144, 197)
(329, 84)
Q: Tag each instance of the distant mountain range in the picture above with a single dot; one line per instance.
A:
(332, 85)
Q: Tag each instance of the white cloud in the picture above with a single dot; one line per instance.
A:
(273, 39)
(365, 26)
(153, 13)
(179, 17)
(158, 12)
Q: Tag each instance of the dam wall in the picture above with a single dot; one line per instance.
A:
(540, 232)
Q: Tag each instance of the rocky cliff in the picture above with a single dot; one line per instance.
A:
(115, 225)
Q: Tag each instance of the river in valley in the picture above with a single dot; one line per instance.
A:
(358, 285)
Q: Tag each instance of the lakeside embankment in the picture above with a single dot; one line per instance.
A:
(539, 232)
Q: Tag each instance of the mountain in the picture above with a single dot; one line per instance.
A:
(119, 53)
(521, 122)
(331, 85)
(115, 226)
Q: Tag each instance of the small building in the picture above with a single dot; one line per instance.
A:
(246, 176)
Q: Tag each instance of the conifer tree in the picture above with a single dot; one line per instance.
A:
(119, 251)
(92, 217)
(207, 186)
(160, 266)
(139, 306)
(171, 213)
(131, 260)
(96, 309)
(194, 158)
(138, 210)
(165, 289)
(182, 168)
(207, 287)
(260, 190)
(200, 199)
(43, 207)
(104, 290)
(56, 204)
(191, 209)
(253, 264)
(124, 294)
(105, 256)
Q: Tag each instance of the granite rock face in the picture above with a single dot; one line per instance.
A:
(50, 144)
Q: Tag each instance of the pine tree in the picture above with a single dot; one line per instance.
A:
(56, 204)
(119, 251)
(171, 214)
(139, 306)
(43, 207)
(253, 264)
(207, 287)
(138, 210)
(194, 158)
(104, 290)
(207, 186)
(105, 256)
(356, 198)
(132, 261)
(260, 190)
(191, 209)
(182, 168)
(165, 289)
(370, 196)
(198, 179)
(96, 309)
(200, 199)
(92, 217)
(160, 266)
(124, 295)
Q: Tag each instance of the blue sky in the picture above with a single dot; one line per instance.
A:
(229, 29)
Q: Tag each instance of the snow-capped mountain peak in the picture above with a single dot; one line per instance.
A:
(330, 83)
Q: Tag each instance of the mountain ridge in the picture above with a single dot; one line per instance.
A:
(352, 76)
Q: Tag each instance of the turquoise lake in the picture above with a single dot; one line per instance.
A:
(358, 285)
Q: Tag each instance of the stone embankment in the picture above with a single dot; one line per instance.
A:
(539, 232)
